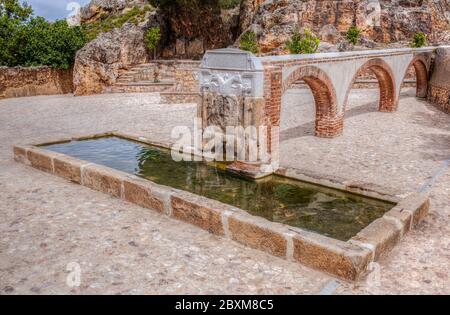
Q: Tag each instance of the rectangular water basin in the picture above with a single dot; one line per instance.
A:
(328, 212)
(324, 228)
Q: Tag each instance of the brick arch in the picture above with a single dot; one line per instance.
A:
(419, 63)
(386, 82)
(328, 123)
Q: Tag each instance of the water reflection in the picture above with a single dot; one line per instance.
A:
(328, 212)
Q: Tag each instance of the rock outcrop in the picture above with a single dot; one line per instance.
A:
(190, 29)
(96, 8)
(382, 21)
(97, 64)
(186, 33)
(193, 28)
(248, 10)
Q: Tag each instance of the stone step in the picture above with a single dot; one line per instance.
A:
(162, 77)
(142, 68)
(141, 88)
(130, 78)
(128, 71)
(149, 75)
(154, 96)
(151, 65)
(147, 83)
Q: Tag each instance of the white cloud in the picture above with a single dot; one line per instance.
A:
(53, 9)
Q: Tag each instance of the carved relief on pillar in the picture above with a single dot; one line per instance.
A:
(226, 83)
(231, 72)
(229, 79)
(222, 111)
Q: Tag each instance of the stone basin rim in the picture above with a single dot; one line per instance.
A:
(346, 260)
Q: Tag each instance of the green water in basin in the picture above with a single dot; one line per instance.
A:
(326, 211)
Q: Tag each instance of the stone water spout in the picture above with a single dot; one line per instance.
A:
(232, 88)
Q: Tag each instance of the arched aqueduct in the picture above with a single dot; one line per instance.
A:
(331, 78)
(239, 88)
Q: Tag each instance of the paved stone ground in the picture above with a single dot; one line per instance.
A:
(47, 223)
(400, 152)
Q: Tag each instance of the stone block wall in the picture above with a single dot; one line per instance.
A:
(440, 97)
(439, 86)
(20, 81)
(186, 77)
(179, 76)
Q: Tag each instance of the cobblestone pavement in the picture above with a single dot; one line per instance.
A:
(47, 223)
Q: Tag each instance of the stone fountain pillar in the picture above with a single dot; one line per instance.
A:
(232, 90)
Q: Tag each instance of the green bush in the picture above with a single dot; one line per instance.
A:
(249, 42)
(353, 35)
(304, 42)
(12, 16)
(419, 40)
(152, 38)
(33, 41)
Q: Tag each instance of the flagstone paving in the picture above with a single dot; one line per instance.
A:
(47, 223)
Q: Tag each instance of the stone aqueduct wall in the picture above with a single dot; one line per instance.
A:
(19, 81)
(439, 86)
(239, 89)
(440, 97)
(327, 77)
(185, 75)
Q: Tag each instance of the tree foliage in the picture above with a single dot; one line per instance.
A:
(12, 16)
(15, 11)
(304, 42)
(419, 40)
(353, 35)
(26, 40)
(249, 43)
(152, 39)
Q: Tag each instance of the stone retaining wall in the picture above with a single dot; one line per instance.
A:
(179, 98)
(439, 86)
(21, 81)
(157, 76)
(440, 97)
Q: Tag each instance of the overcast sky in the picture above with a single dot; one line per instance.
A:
(54, 9)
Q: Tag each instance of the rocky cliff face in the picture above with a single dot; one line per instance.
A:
(189, 30)
(96, 8)
(383, 22)
(186, 33)
(192, 29)
(97, 64)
